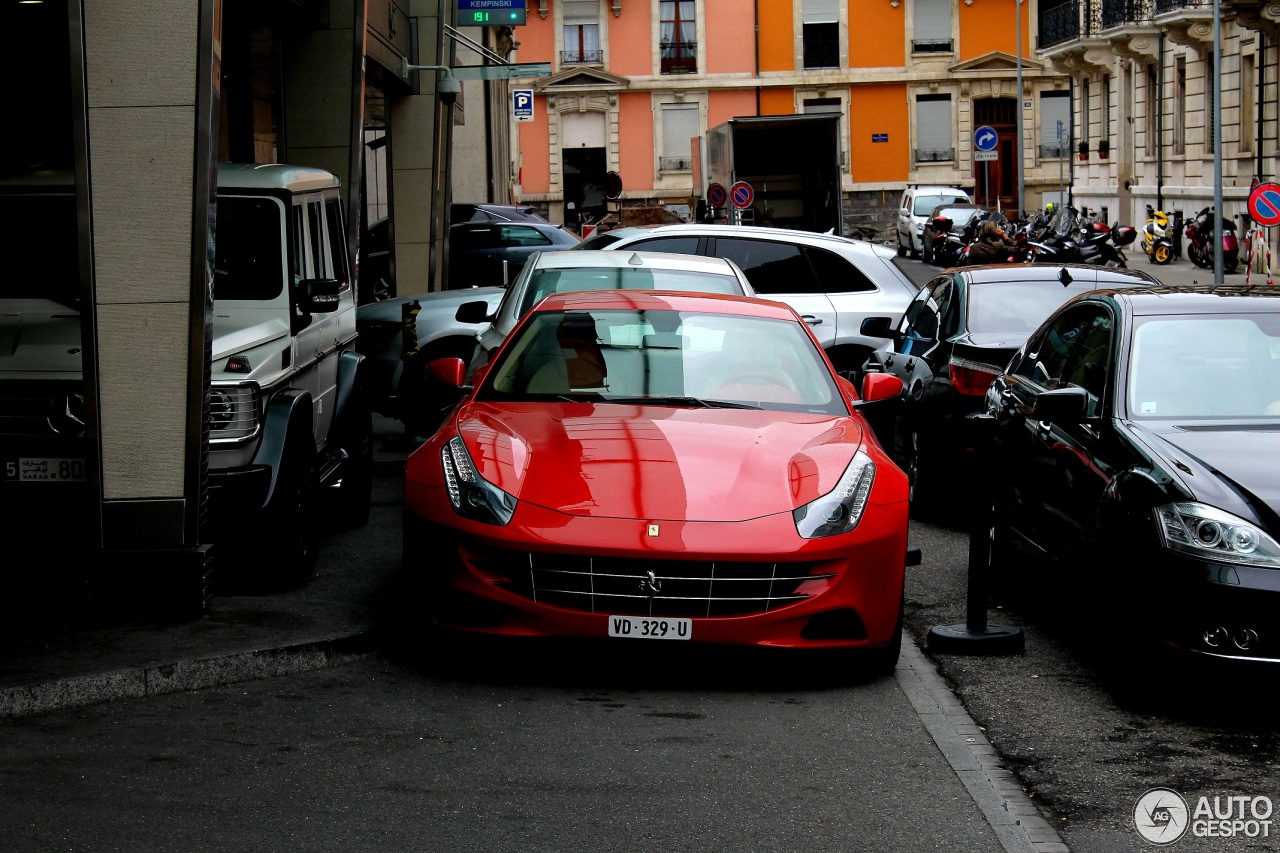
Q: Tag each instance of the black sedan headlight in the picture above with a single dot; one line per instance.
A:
(1208, 533)
(470, 494)
(839, 510)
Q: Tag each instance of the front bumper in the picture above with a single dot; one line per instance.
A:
(851, 599)
(1219, 611)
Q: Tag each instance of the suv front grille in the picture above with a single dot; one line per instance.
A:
(233, 412)
(645, 587)
(41, 408)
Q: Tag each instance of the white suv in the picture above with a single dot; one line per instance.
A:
(916, 205)
(834, 283)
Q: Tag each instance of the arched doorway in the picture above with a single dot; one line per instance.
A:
(584, 159)
(996, 181)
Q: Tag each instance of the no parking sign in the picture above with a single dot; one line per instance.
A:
(1264, 204)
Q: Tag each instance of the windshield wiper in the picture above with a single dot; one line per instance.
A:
(693, 402)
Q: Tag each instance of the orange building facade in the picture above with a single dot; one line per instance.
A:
(636, 84)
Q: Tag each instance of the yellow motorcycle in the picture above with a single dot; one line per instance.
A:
(1157, 236)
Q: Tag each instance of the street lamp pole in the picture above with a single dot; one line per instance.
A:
(1217, 141)
(1017, 13)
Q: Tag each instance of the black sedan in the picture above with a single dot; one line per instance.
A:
(491, 254)
(955, 337)
(1138, 449)
(945, 220)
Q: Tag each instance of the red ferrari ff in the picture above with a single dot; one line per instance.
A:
(661, 466)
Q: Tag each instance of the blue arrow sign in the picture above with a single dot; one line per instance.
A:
(985, 138)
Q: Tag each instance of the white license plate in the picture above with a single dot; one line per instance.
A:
(650, 628)
(36, 469)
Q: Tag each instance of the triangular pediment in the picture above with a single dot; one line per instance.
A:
(579, 79)
(997, 60)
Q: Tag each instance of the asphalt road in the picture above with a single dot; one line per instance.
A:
(1085, 724)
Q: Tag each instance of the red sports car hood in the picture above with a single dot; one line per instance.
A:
(658, 463)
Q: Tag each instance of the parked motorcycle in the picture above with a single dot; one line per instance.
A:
(1157, 236)
(1201, 241)
(1068, 241)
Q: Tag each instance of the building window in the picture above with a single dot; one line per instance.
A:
(678, 39)
(581, 21)
(1055, 124)
(931, 27)
(1248, 65)
(679, 126)
(934, 140)
(1211, 68)
(1104, 132)
(821, 33)
(1180, 107)
(1084, 110)
(1153, 109)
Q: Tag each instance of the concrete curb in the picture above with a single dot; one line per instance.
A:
(1016, 820)
(194, 674)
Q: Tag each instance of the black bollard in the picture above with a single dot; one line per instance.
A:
(976, 636)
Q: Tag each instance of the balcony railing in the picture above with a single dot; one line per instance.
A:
(680, 57)
(931, 46)
(581, 57)
(675, 164)
(935, 155)
(1053, 152)
(1075, 19)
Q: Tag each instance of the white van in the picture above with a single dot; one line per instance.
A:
(916, 205)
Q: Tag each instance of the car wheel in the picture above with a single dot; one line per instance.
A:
(902, 250)
(355, 490)
(917, 475)
(292, 535)
(882, 662)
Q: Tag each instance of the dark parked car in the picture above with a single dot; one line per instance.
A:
(944, 220)
(485, 212)
(955, 338)
(489, 254)
(1137, 439)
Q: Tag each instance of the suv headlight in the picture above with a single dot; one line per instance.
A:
(839, 510)
(233, 412)
(470, 494)
(1209, 533)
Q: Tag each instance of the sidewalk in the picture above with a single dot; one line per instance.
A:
(55, 655)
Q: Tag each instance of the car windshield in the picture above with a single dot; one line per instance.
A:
(1016, 308)
(547, 281)
(247, 261)
(926, 203)
(598, 241)
(38, 241)
(1218, 366)
(665, 358)
(959, 215)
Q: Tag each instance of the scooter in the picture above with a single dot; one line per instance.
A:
(1157, 239)
(1201, 241)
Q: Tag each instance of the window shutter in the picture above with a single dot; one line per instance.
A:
(932, 20)
(933, 124)
(580, 12)
(821, 11)
(1054, 107)
(679, 125)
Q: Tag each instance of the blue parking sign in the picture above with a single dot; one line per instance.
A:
(522, 104)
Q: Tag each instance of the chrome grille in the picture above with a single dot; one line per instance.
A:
(26, 407)
(233, 412)
(642, 587)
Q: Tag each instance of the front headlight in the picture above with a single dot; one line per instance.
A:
(470, 494)
(233, 412)
(1211, 534)
(839, 510)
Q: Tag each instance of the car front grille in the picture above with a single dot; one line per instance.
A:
(38, 408)
(643, 587)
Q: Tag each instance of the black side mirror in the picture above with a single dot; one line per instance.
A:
(1061, 406)
(319, 295)
(473, 312)
(878, 327)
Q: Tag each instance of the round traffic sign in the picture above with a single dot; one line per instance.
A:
(716, 195)
(741, 194)
(612, 185)
(1264, 205)
(985, 138)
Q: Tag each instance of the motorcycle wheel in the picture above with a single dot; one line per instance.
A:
(1230, 260)
(1162, 255)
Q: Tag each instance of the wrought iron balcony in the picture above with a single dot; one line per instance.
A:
(1071, 20)
(675, 164)
(935, 155)
(1053, 152)
(931, 46)
(679, 57)
(581, 57)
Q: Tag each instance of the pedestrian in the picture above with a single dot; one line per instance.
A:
(992, 245)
